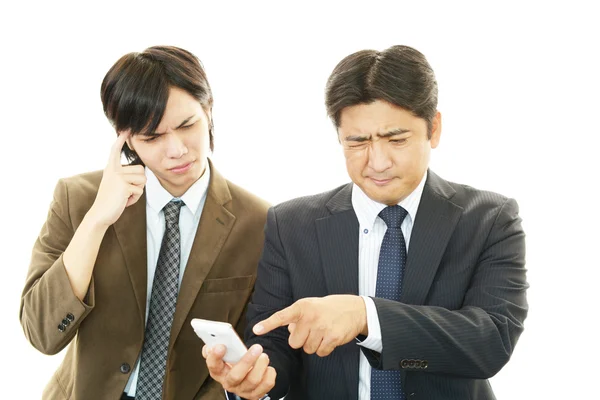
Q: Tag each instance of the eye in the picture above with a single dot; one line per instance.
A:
(150, 139)
(398, 141)
(188, 126)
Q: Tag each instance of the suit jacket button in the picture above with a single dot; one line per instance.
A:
(66, 322)
(70, 317)
(125, 368)
(62, 328)
(404, 363)
(424, 364)
(417, 363)
(411, 363)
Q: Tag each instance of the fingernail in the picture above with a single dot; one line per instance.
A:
(256, 349)
(258, 328)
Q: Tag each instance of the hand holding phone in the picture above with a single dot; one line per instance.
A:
(247, 369)
(215, 332)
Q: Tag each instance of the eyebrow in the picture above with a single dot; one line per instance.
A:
(393, 132)
(185, 121)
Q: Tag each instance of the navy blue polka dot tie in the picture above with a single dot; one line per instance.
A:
(386, 385)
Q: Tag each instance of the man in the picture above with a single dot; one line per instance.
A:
(129, 255)
(399, 285)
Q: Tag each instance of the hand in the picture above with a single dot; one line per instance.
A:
(121, 186)
(250, 378)
(320, 324)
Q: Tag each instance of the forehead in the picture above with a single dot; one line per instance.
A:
(377, 117)
(180, 106)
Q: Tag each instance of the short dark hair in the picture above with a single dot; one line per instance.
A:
(399, 75)
(135, 90)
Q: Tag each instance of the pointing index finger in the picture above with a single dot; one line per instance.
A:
(283, 317)
(115, 152)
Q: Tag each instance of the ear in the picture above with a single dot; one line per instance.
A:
(436, 130)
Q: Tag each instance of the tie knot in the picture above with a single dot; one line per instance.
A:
(171, 211)
(393, 216)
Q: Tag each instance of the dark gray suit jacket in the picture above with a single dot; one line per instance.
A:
(463, 299)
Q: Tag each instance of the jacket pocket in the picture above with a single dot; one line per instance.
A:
(227, 284)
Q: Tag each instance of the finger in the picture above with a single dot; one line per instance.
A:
(326, 347)
(280, 318)
(239, 371)
(292, 327)
(133, 169)
(265, 386)
(312, 342)
(114, 159)
(136, 193)
(299, 337)
(215, 363)
(256, 375)
(135, 179)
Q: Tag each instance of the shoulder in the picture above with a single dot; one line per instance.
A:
(80, 188)
(479, 202)
(249, 200)
(309, 207)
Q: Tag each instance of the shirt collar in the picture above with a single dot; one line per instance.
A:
(367, 209)
(157, 196)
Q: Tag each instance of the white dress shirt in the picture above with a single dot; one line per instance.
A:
(372, 230)
(156, 198)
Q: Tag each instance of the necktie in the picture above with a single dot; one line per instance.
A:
(162, 308)
(386, 385)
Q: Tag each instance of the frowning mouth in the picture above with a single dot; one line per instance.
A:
(180, 169)
(381, 182)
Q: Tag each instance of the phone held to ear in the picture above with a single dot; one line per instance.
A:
(215, 332)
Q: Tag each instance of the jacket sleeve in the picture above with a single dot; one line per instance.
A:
(477, 340)
(50, 313)
(273, 292)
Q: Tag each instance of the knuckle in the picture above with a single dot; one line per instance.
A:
(253, 381)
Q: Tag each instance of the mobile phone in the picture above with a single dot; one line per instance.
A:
(216, 332)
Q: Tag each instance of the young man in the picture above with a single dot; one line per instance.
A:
(129, 255)
(398, 285)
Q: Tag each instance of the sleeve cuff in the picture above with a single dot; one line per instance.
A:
(373, 341)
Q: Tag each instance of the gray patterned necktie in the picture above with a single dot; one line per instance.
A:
(386, 385)
(162, 308)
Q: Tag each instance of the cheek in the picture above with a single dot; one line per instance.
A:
(199, 141)
(355, 163)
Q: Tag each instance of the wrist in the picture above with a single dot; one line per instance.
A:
(363, 324)
(94, 222)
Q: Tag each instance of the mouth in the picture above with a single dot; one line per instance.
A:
(380, 182)
(180, 169)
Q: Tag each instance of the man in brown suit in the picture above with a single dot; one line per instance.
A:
(112, 277)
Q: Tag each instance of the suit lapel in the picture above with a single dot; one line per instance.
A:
(215, 224)
(436, 219)
(130, 230)
(338, 240)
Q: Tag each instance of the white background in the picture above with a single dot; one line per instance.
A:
(518, 94)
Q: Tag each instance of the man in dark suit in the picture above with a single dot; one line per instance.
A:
(129, 255)
(400, 285)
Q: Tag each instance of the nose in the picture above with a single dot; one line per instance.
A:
(176, 147)
(379, 160)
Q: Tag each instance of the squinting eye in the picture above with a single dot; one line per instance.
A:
(188, 126)
(152, 138)
(397, 141)
(359, 145)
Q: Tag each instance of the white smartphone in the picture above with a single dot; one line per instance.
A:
(215, 332)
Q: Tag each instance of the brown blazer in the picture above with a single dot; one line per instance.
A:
(106, 331)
